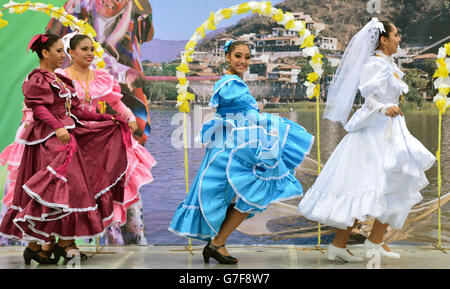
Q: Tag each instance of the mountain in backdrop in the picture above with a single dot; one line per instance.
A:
(420, 22)
(159, 50)
(417, 20)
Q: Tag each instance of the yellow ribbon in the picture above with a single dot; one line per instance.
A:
(278, 16)
(227, 13)
(268, 8)
(211, 25)
(21, 9)
(102, 106)
(317, 58)
(438, 157)
(183, 67)
(3, 22)
(447, 48)
(243, 8)
(139, 6)
(186, 165)
(442, 71)
(313, 76)
(183, 80)
(309, 41)
(441, 104)
(201, 31)
(184, 98)
(318, 158)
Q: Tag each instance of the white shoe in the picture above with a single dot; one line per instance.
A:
(341, 253)
(368, 245)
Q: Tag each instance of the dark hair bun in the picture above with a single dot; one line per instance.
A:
(388, 27)
(38, 45)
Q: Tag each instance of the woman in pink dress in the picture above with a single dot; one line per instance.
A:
(94, 86)
(12, 154)
(71, 171)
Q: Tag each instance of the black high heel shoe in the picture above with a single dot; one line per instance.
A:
(29, 255)
(61, 252)
(212, 251)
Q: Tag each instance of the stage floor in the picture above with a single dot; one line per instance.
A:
(251, 257)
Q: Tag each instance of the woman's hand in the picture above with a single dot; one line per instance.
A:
(260, 106)
(133, 126)
(114, 120)
(393, 111)
(63, 135)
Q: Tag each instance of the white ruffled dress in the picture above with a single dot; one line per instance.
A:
(378, 168)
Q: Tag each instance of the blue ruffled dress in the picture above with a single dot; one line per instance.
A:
(250, 160)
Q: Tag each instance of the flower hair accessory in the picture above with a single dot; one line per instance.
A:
(40, 38)
(66, 41)
(379, 25)
(344, 86)
(227, 45)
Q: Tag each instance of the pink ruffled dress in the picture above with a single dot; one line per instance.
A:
(105, 88)
(66, 191)
(102, 88)
(12, 154)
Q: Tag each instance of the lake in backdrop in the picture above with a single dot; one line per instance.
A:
(161, 197)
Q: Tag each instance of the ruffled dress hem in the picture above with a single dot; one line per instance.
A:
(254, 172)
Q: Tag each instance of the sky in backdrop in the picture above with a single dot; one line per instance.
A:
(178, 19)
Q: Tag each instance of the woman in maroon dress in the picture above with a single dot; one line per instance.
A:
(71, 172)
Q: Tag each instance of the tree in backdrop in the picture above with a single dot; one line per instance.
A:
(419, 85)
(160, 91)
(328, 72)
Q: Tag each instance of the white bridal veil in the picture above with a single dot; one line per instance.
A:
(342, 91)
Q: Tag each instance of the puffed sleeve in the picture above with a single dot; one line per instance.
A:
(373, 84)
(109, 88)
(227, 91)
(114, 99)
(37, 90)
(374, 78)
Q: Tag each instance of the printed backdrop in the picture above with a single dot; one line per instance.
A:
(144, 39)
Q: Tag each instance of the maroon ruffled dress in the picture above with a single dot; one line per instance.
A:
(65, 191)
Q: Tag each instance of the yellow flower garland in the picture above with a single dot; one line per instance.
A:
(442, 84)
(287, 20)
(262, 8)
(61, 15)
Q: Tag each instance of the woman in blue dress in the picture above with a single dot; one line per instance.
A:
(249, 162)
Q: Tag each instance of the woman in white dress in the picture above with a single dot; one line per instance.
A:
(377, 169)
